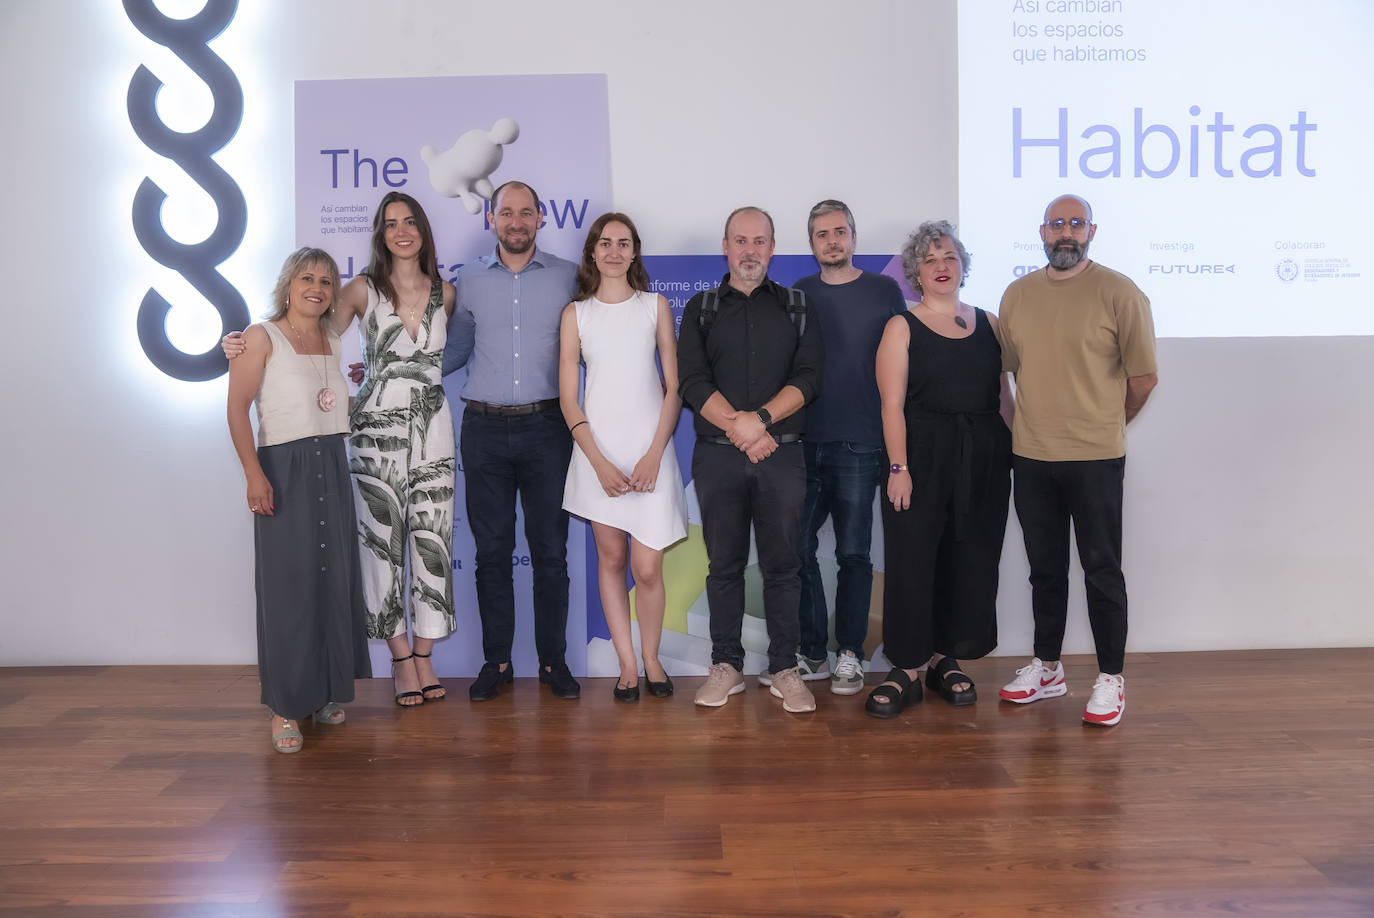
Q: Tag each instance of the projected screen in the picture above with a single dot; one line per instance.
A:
(1225, 149)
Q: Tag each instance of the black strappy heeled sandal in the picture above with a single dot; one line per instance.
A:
(400, 695)
(436, 687)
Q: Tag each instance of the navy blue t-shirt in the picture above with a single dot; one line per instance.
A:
(852, 317)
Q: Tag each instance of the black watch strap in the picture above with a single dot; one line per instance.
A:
(765, 417)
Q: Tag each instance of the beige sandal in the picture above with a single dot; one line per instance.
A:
(287, 732)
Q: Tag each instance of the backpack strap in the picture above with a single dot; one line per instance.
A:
(796, 310)
(710, 305)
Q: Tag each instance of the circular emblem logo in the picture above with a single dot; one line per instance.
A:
(1287, 270)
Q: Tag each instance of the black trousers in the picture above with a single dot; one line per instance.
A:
(1048, 495)
(734, 493)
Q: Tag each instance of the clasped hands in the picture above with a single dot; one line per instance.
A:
(745, 430)
(615, 482)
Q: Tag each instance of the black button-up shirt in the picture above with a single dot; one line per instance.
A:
(748, 354)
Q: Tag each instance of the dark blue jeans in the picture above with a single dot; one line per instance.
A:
(527, 455)
(841, 479)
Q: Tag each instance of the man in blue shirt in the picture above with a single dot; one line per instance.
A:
(505, 331)
(844, 445)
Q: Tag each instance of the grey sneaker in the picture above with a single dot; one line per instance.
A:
(848, 677)
(796, 697)
(813, 670)
(723, 681)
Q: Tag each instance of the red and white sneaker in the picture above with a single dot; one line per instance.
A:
(1034, 682)
(1108, 701)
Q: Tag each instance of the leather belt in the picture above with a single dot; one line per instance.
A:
(781, 438)
(511, 411)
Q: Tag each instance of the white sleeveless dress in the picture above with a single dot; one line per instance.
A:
(622, 401)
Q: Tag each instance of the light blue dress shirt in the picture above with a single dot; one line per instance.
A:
(505, 328)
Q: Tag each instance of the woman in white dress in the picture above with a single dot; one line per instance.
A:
(624, 476)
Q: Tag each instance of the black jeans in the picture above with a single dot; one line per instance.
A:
(1048, 495)
(733, 493)
(529, 455)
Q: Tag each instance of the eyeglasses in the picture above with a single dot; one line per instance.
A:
(1057, 226)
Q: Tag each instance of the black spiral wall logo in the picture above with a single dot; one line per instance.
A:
(199, 264)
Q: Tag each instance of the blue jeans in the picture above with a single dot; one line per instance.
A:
(528, 455)
(841, 479)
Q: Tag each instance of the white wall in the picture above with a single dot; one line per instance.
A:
(127, 541)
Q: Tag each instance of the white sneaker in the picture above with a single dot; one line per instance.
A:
(1034, 682)
(813, 670)
(848, 677)
(1108, 701)
(810, 670)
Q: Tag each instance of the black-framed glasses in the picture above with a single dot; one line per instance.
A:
(1058, 226)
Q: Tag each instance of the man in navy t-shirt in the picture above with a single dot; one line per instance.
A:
(844, 445)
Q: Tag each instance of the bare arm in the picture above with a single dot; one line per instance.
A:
(718, 410)
(1006, 401)
(1138, 389)
(892, 379)
(245, 379)
(350, 304)
(347, 306)
(613, 480)
(645, 474)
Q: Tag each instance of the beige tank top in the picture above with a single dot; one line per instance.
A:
(288, 400)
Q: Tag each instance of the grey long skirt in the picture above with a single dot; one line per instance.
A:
(312, 625)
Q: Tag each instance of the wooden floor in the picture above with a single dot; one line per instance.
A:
(1237, 783)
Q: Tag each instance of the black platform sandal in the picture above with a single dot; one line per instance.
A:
(889, 701)
(436, 687)
(946, 674)
(400, 695)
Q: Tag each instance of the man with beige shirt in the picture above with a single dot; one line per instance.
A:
(1080, 340)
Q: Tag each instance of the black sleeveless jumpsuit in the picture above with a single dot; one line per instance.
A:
(942, 554)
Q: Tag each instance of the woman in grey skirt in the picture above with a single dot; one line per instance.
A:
(311, 620)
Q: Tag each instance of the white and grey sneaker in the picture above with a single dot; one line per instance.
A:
(810, 670)
(848, 677)
(813, 670)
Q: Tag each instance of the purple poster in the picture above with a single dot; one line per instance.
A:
(447, 141)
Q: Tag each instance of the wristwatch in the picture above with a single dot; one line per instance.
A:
(765, 417)
(896, 467)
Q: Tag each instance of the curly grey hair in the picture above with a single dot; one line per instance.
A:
(919, 243)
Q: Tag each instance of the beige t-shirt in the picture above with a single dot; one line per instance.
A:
(1072, 344)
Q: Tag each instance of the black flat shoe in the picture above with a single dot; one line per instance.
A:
(557, 677)
(660, 689)
(489, 681)
(436, 687)
(888, 701)
(627, 694)
(944, 675)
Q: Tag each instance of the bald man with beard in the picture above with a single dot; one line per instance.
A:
(1079, 338)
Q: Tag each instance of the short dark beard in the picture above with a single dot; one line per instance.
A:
(1068, 257)
(529, 241)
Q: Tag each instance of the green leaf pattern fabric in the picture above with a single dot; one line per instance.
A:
(402, 460)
